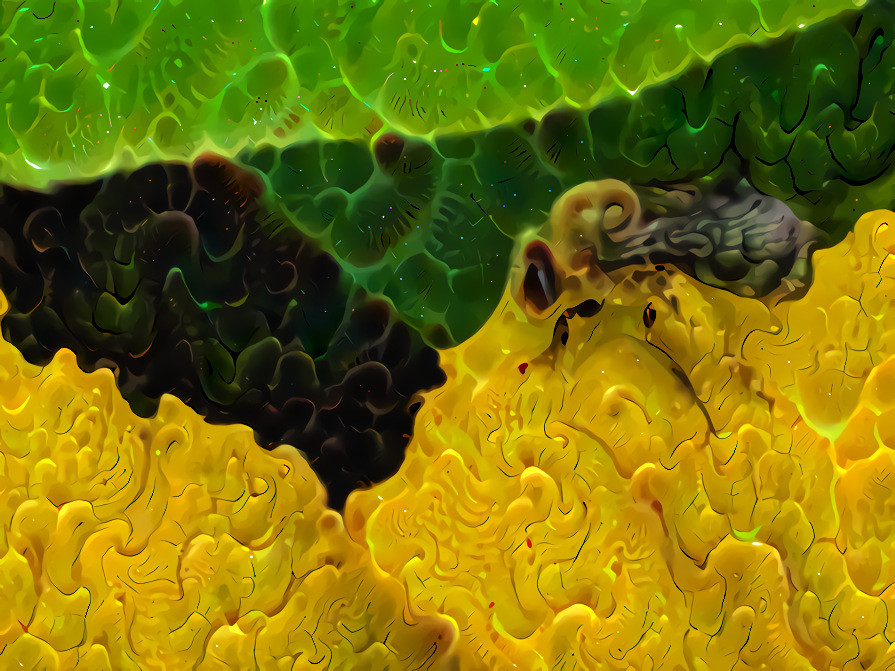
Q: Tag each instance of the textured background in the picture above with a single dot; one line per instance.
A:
(573, 293)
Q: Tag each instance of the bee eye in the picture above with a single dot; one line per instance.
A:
(649, 315)
(540, 286)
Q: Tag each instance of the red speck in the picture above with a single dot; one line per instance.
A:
(491, 605)
(522, 367)
(528, 542)
(23, 626)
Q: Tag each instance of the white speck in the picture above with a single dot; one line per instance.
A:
(678, 26)
(755, 543)
(106, 85)
(802, 25)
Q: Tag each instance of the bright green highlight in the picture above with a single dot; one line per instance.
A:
(96, 85)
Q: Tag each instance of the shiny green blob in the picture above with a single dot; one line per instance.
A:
(104, 84)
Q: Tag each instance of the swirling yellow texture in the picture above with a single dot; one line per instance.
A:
(167, 543)
(709, 491)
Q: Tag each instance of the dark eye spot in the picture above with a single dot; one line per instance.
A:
(588, 308)
(561, 331)
(649, 315)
